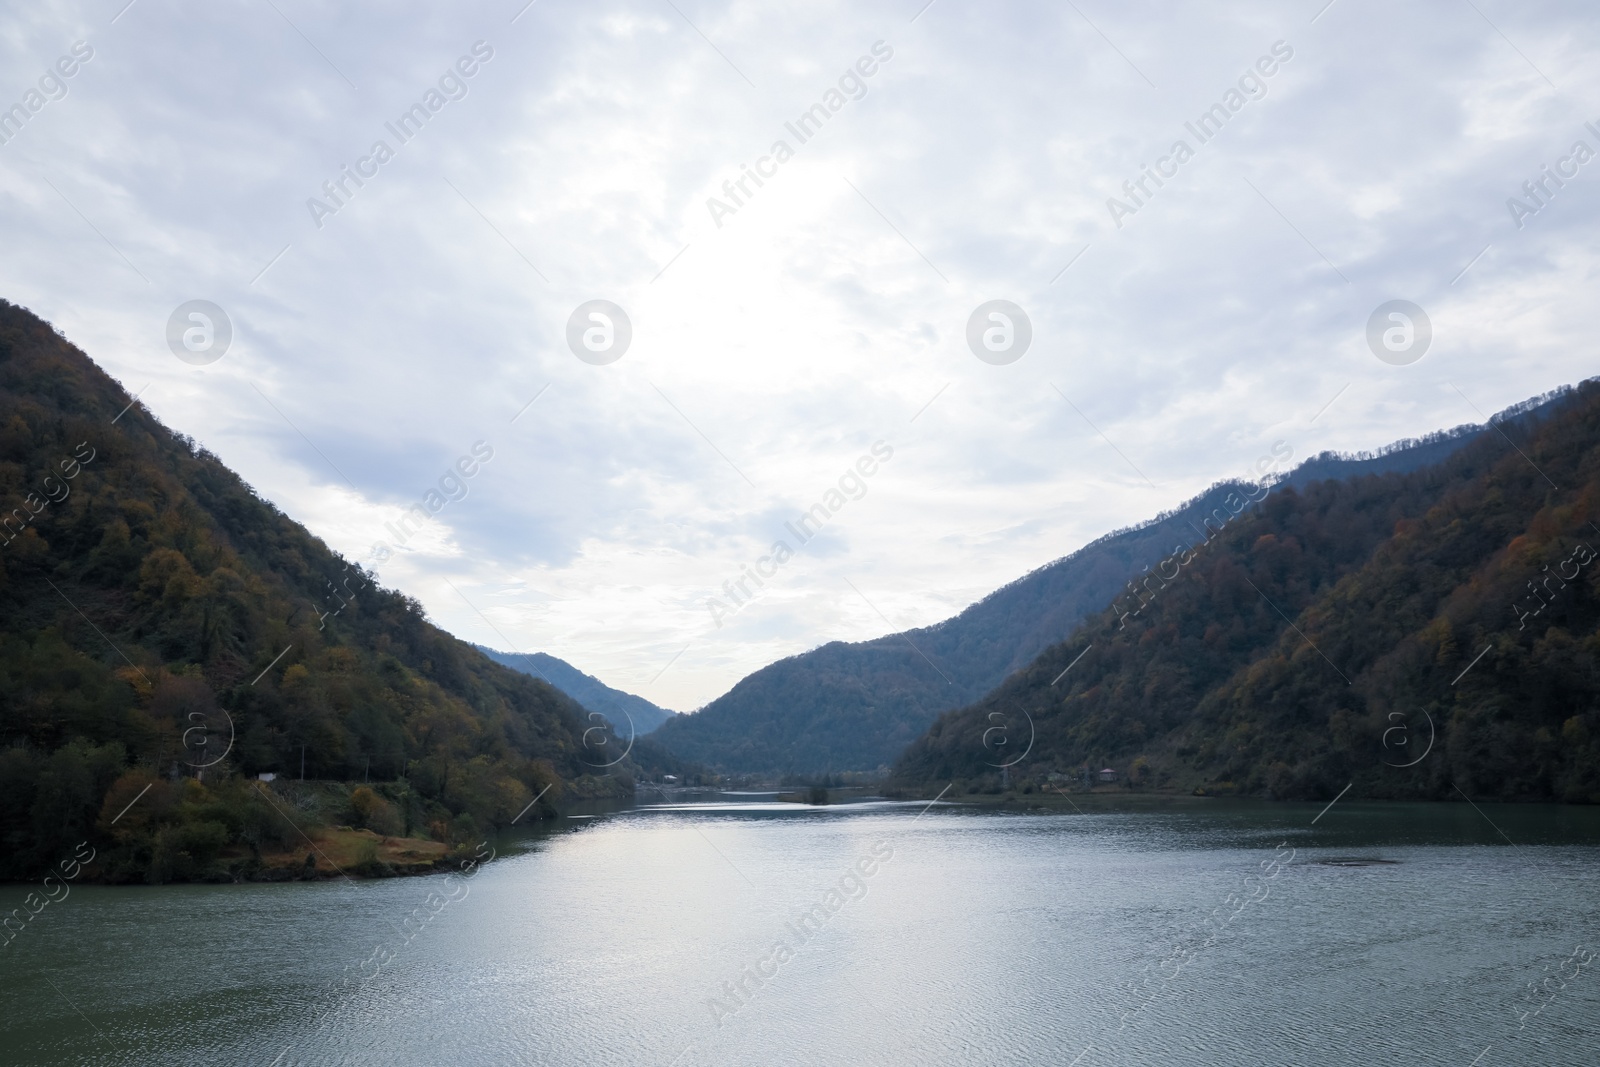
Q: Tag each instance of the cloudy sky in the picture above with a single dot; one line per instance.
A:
(378, 336)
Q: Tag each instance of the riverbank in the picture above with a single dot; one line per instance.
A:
(1120, 797)
(232, 829)
(344, 852)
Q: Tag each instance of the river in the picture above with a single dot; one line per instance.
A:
(742, 931)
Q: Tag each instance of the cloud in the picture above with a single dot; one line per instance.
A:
(823, 315)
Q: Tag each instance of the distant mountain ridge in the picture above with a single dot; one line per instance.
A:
(856, 705)
(619, 707)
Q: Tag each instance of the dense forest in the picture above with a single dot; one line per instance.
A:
(1416, 634)
(166, 636)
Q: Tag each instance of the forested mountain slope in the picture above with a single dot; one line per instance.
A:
(855, 706)
(1414, 634)
(159, 620)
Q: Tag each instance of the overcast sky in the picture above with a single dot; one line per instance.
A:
(773, 343)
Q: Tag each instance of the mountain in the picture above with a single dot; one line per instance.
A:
(619, 708)
(1424, 634)
(856, 705)
(165, 631)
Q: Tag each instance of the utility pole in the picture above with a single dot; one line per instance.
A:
(302, 763)
(366, 775)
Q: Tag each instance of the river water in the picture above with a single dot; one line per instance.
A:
(1194, 933)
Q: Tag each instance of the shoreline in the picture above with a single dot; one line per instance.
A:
(339, 852)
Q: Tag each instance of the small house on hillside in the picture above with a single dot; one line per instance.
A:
(1107, 774)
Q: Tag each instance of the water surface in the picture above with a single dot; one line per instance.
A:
(1395, 934)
